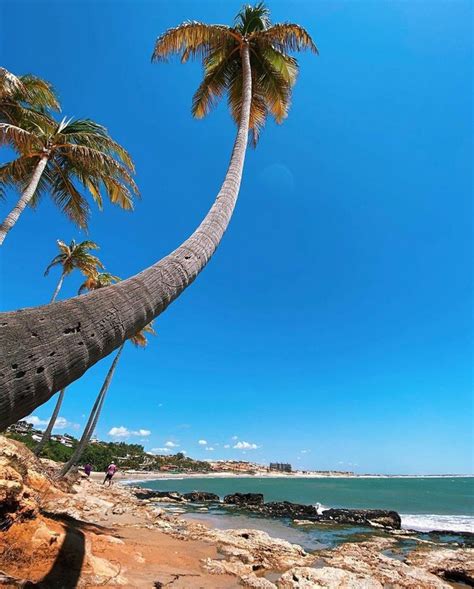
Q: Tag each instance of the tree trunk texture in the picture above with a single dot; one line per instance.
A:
(93, 418)
(58, 287)
(46, 348)
(52, 421)
(24, 199)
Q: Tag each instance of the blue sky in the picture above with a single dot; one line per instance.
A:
(333, 327)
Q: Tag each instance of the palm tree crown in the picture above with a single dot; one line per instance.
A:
(76, 255)
(273, 70)
(77, 151)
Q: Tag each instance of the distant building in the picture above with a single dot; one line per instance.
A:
(21, 428)
(280, 466)
(65, 440)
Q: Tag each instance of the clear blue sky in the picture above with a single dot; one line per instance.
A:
(333, 327)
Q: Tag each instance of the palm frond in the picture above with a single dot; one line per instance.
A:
(10, 85)
(39, 94)
(67, 197)
(215, 83)
(190, 39)
(140, 339)
(19, 139)
(252, 18)
(288, 37)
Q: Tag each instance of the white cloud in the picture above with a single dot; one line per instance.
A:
(123, 432)
(160, 450)
(305, 451)
(36, 421)
(235, 437)
(209, 449)
(245, 446)
(61, 422)
(202, 442)
(170, 444)
(226, 445)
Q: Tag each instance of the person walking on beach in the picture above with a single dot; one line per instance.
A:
(109, 473)
(88, 469)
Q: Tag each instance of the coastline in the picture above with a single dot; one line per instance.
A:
(136, 476)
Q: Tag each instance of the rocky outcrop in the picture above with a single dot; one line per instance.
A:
(149, 494)
(456, 565)
(325, 577)
(372, 517)
(296, 511)
(371, 560)
(246, 500)
(201, 496)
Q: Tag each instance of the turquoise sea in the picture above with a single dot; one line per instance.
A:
(425, 504)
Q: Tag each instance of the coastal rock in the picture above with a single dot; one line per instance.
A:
(325, 577)
(370, 560)
(291, 510)
(244, 499)
(199, 496)
(372, 517)
(254, 582)
(455, 565)
(157, 495)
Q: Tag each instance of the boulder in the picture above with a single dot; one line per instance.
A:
(244, 499)
(372, 517)
(199, 496)
(291, 510)
(456, 565)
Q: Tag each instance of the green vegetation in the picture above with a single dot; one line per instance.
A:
(126, 456)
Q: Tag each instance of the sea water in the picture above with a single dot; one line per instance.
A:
(424, 503)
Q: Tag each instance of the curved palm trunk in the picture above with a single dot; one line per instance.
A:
(52, 421)
(47, 432)
(93, 418)
(24, 199)
(46, 348)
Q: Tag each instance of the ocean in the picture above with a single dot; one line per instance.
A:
(424, 503)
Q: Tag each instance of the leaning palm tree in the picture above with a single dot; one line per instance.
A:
(100, 280)
(139, 340)
(71, 257)
(82, 330)
(56, 158)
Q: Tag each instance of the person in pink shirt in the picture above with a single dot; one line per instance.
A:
(109, 473)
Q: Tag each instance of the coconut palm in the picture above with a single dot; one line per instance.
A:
(71, 257)
(75, 256)
(106, 318)
(139, 339)
(56, 158)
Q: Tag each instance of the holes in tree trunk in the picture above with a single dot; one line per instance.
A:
(34, 334)
(75, 329)
(51, 354)
(40, 369)
(20, 374)
(14, 366)
(80, 343)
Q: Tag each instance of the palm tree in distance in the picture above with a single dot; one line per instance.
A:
(56, 157)
(128, 306)
(71, 257)
(100, 280)
(75, 256)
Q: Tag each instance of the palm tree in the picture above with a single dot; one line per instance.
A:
(82, 330)
(55, 157)
(70, 257)
(101, 280)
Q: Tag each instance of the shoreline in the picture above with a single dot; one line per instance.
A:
(130, 476)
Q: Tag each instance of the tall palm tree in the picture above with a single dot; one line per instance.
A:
(82, 330)
(70, 257)
(56, 157)
(100, 280)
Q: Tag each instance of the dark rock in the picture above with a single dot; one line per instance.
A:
(244, 499)
(291, 510)
(201, 496)
(149, 494)
(371, 517)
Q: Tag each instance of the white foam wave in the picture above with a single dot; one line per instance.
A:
(426, 522)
